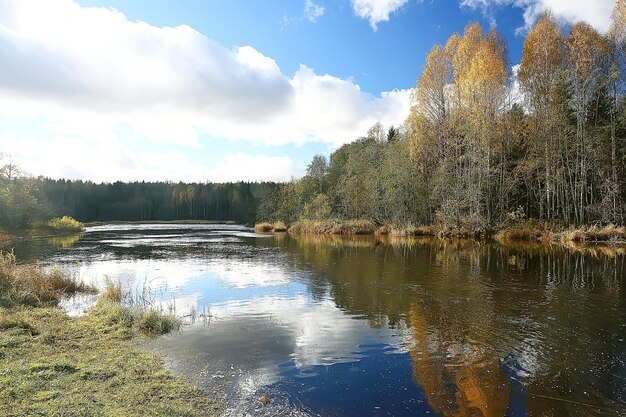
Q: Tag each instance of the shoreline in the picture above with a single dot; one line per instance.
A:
(52, 363)
(585, 235)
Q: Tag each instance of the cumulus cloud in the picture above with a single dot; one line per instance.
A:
(376, 11)
(103, 157)
(243, 167)
(597, 12)
(313, 11)
(90, 73)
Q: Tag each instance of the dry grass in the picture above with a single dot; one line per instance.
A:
(263, 227)
(34, 286)
(4, 236)
(112, 292)
(334, 227)
(520, 234)
(279, 227)
(134, 311)
(593, 234)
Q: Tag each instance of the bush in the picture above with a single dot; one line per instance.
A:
(65, 224)
(334, 227)
(263, 227)
(279, 227)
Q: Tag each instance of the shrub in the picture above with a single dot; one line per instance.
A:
(65, 224)
(519, 234)
(334, 227)
(263, 227)
(279, 227)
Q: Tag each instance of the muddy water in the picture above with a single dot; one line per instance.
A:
(360, 327)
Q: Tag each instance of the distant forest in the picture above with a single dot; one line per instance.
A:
(24, 200)
(138, 201)
(486, 144)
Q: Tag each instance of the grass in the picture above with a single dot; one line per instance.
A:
(279, 227)
(593, 234)
(34, 286)
(65, 224)
(56, 365)
(334, 227)
(263, 227)
(523, 234)
(58, 226)
(530, 231)
(5, 237)
(52, 364)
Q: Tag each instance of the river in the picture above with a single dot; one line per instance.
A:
(367, 326)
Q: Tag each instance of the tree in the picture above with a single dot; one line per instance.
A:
(543, 59)
(317, 170)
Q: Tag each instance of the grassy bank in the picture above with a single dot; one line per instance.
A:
(52, 364)
(277, 227)
(334, 227)
(529, 232)
(58, 226)
(592, 234)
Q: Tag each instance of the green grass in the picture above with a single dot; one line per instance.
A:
(65, 224)
(55, 365)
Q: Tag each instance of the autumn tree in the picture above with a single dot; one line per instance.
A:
(543, 60)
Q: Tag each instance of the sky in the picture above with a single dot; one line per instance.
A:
(223, 90)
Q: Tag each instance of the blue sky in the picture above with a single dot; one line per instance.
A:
(199, 90)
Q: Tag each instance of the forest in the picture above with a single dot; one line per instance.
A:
(486, 143)
(25, 199)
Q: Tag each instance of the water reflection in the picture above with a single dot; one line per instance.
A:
(65, 241)
(374, 326)
(496, 329)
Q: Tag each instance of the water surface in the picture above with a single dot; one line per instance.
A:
(364, 326)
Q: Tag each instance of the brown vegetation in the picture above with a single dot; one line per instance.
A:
(334, 227)
(34, 286)
(263, 227)
(279, 227)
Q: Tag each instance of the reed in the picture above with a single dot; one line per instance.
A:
(33, 285)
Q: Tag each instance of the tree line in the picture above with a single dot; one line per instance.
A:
(486, 142)
(24, 200)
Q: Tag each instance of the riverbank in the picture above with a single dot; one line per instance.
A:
(56, 227)
(53, 364)
(529, 232)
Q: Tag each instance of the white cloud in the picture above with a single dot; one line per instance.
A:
(242, 167)
(313, 11)
(376, 10)
(90, 73)
(595, 12)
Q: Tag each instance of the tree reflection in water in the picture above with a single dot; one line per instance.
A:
(517, 329)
